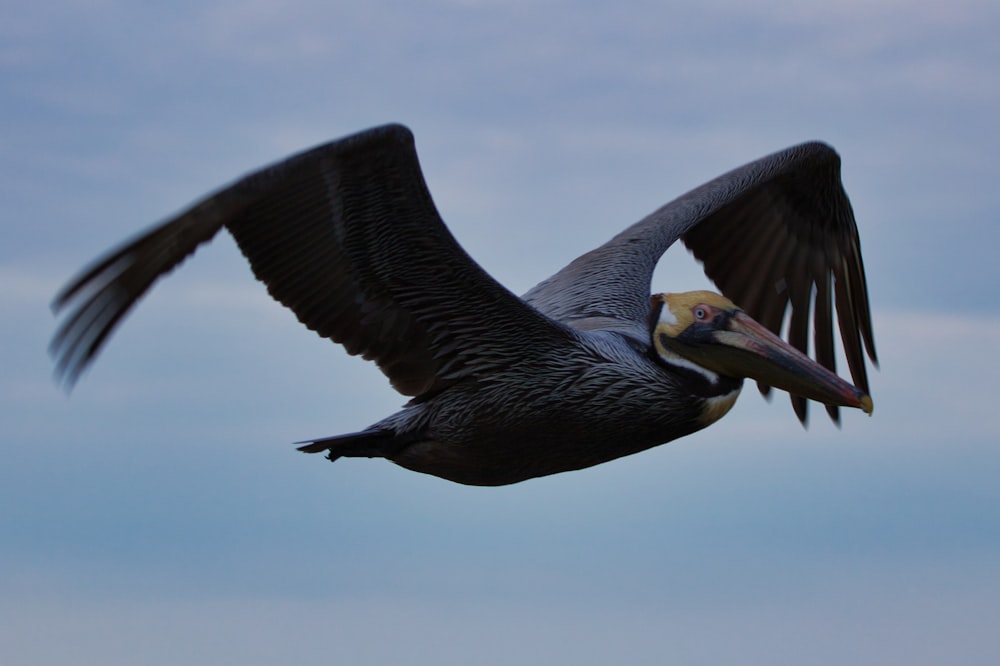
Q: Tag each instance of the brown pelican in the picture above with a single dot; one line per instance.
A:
(584, 368)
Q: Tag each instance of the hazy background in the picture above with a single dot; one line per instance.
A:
(160, 515)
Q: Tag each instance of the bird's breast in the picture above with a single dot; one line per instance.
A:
(715, 407)
(506, 429)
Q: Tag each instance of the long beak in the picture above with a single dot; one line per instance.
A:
(747, 349)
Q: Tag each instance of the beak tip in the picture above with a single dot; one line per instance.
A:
(866, 404)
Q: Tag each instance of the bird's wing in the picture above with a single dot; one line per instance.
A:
(776, 232)
(345, 235)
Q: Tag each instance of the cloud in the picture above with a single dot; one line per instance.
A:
(160, 512)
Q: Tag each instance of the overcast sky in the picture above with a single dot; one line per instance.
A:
(160, 515)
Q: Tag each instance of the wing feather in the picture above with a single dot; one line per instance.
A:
(346, 236)
(773, 234)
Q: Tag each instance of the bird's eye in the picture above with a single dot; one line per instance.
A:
(700, 313)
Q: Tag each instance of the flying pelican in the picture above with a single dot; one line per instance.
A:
(584, 368)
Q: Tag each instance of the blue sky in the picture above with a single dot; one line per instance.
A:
(160, 515)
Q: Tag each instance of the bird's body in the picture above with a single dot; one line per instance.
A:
(512, 443)
(585, 368)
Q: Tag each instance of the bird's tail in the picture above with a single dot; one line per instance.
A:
(364, 444)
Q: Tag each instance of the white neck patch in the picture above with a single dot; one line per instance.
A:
(667, 316)
(672, 358)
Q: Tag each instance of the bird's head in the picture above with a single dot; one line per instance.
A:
(706, 333)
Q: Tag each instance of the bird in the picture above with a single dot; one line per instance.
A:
(586, 367)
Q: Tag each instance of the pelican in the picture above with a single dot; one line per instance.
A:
(585, 367)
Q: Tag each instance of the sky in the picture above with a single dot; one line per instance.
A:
(159, 513)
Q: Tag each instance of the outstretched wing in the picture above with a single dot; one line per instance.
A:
(345, 235)
(776, 232)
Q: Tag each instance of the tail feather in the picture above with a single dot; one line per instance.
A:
(364, 444)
